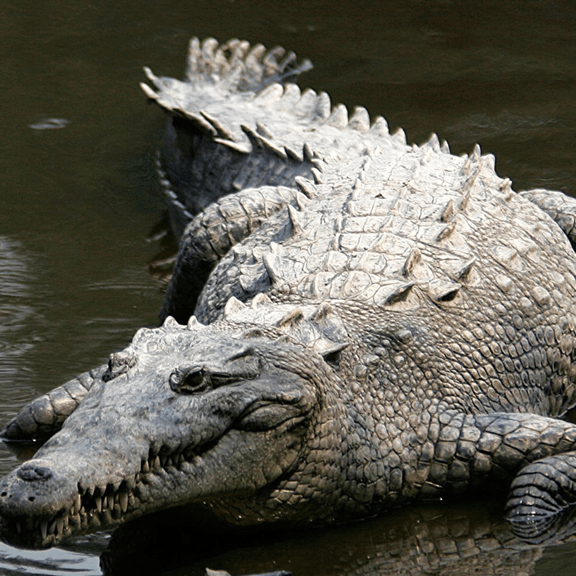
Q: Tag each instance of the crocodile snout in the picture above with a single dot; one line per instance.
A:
(28, 489)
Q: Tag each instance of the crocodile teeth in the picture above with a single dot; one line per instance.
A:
(44, 529)
(77, 505)
(123, 501)
(339, 116)
(223, 132)
(380, 127)
(433, 143)
(317, 175)
(98, 503)
(264, 131)
(293, 154)
(307, 152)
(476, 153)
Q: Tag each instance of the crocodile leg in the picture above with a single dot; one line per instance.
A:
(560, 207)
(211, 234)
(44, 416)
(532, 452)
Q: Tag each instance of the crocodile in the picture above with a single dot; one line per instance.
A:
(353, 323)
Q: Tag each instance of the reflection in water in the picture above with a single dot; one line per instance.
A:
(76, 205)
(460, 539)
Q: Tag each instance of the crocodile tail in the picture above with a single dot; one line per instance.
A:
(235, 66)
(44, 416)
(240, 66)
(215, 144)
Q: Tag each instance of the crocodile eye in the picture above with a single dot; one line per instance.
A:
(189, 381)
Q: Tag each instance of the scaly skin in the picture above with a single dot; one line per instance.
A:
(400, 326)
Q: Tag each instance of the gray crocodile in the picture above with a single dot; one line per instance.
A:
(353, 323)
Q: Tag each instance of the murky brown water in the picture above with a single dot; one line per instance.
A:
(78, 191)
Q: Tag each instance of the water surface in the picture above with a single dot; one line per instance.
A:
(79, 196)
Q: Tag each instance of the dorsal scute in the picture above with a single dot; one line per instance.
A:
(407, 223)
(360, 120)
(234, 86)
(318, 327)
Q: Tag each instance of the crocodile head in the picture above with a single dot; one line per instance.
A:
(184, 414)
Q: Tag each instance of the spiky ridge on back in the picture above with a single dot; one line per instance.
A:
(383, 217)
(385, 234)
(234, 93)
(236, 127)
(421, 225)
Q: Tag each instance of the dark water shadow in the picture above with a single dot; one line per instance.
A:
(441, 538)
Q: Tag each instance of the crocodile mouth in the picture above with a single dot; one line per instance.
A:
(100, 506)
(211, 447)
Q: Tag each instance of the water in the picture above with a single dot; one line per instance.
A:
(79, 196)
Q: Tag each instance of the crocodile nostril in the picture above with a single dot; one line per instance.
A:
(34, 473)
